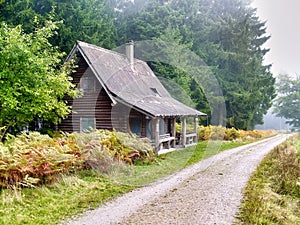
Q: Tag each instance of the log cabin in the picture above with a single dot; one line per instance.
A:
(122, 93)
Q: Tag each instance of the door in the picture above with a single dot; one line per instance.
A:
(136, 126)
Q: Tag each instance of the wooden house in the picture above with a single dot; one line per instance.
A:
(122, 93)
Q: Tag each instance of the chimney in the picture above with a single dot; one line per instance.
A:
(130, 52)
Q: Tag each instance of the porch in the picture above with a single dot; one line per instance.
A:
(165, 141)
(162, 131)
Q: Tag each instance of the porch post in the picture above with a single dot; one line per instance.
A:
(195, 128)
(156, 134)
(174, 131)
(183, 132)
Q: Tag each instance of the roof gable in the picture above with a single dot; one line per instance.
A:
(135, 85)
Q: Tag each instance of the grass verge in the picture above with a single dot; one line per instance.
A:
(51, 203)
(272, 195)
(75, 193)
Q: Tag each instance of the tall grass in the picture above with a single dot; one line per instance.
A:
(50, 204)
(272, 196)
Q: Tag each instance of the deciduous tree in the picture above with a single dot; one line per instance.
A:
(287, 104)
(33, 79)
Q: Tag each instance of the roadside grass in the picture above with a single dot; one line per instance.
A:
(51, 203)
(272, 195)
(74, 193)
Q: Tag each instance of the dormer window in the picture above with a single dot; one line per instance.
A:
(154, 90)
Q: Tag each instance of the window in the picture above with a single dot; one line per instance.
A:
(154, 90)
(87, 84)
(87, 123)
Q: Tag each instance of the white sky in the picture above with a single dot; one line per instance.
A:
(283, 24)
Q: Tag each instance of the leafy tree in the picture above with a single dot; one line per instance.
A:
(85, 20)
(287, 104)
(33, 79)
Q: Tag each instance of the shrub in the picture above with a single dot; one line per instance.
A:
(35, 156)
(255, 134)
(204, 132)
(211, 132)
(30, 159)
(231, 134)
(217, 133)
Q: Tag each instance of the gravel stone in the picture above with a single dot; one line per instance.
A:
(207, 193)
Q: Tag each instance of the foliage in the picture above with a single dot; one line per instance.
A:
(222, 133)
(247, 84)
(120, 146)
(287, 104)
(230, 134)
(31, 159)
(227, 35)
(33, 79)
(2, 132)
(272, 195)
(211, 133)
(85, 20)
(72, 194)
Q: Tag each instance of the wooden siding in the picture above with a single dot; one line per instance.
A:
(94, 103)
(67, 124)
(97, 104)
(103, 111)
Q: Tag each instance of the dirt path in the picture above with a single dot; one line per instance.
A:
(208, 192)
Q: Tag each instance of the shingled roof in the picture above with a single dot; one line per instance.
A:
(133, 84)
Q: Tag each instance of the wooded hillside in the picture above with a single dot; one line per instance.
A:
(226, 35)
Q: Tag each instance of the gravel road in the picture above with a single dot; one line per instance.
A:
(208, 192)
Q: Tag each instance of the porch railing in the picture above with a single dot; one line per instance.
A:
(190, 139)
(166, 141)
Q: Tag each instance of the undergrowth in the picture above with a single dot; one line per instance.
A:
(230, 134)
(32, 159)
(272, 195)
(44, 180)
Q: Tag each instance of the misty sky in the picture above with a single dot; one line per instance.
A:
(283, 17)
